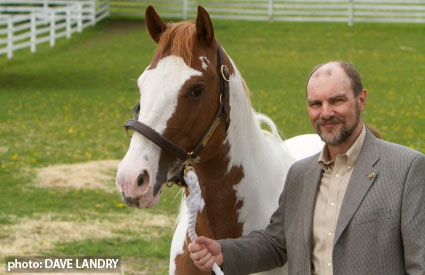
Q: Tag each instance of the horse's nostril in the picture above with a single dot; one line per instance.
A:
(140, 179)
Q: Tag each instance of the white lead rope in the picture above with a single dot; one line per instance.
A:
(195, 203)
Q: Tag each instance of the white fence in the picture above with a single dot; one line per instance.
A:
(27, 23)
(350, 11)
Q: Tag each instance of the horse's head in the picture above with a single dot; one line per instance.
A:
(179, 98)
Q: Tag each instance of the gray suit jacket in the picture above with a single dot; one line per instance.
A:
(380, 228)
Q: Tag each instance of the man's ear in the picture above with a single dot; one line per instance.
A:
(362, 99)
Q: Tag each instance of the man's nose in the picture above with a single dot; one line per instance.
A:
(327, 111)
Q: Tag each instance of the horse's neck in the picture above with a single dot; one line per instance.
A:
(242, 183)
(219, 218)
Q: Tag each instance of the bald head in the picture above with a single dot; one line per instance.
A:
(337, 67)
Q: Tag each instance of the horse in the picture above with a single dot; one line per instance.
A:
(193, 99)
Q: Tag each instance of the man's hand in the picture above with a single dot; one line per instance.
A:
(205, 252)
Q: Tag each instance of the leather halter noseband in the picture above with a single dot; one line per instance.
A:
(187, 158)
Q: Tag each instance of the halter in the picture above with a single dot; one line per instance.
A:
(187, 158)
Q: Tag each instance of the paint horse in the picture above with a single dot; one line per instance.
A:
(193, 99)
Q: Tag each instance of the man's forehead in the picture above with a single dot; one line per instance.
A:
(328, 70)
(330, 74)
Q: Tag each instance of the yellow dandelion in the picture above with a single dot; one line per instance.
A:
(120, 205)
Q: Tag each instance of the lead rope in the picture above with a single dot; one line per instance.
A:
(195, 203)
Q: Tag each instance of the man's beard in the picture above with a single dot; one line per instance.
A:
(344, 133)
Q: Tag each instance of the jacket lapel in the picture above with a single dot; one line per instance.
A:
(361, 180)
(311, 185)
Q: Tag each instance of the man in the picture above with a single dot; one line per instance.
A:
(358, 207)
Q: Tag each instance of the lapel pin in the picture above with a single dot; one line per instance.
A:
(371, 176)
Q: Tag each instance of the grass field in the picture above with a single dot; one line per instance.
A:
(66, 106)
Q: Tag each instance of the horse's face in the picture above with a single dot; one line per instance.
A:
(179, 96)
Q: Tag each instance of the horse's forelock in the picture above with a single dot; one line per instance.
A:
(179, 39)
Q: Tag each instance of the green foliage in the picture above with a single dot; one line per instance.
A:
(67, 104)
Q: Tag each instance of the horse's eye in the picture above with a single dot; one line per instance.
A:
(196, 91)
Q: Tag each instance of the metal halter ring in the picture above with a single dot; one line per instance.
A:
(222, 68)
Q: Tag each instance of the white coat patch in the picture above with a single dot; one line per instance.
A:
(204, 61)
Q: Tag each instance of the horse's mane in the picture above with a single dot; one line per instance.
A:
(178, 39)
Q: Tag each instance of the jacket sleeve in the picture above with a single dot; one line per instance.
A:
(413, 217)
(260, 250)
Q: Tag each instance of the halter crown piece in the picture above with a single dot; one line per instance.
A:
(188, 176)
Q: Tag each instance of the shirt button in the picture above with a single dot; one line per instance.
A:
(337, 175)
(349, 166)
(329, 264)
(332, 204)
(329, 234)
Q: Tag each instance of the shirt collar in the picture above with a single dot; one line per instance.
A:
(352, 154)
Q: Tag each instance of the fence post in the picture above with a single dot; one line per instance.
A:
(68, 22)
(52, 28)
(33, 32)
(93, 11)
(350, 13)
(45, 6)
(270, 10)
(79, 17)
(10, 37)
(184, 9)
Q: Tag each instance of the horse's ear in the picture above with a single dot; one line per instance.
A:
(204, 27)
(154, 24)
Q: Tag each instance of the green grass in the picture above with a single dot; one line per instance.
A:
(67, 104)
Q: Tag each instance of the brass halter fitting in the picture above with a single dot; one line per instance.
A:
(225, 73)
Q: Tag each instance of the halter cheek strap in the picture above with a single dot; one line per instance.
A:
(224, 107)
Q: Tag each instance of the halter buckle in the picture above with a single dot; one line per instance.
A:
(224, 71)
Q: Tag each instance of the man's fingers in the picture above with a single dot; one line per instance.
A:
(213, 246)
(209, 264)
(202, 240)
(199, 255)
(206, 263)
(195, 247)
(204, 252)
(203, 260)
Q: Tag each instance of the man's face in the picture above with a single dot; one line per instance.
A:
(333, 110)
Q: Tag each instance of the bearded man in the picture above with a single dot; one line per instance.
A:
(357, 207)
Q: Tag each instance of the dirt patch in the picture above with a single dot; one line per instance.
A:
(31, 235)
(91, 175)
(112, 28)
(123, 26)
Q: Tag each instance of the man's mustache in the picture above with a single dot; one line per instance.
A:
(330, 120)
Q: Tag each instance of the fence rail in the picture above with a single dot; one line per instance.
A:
(349, 11)
(25, 24)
